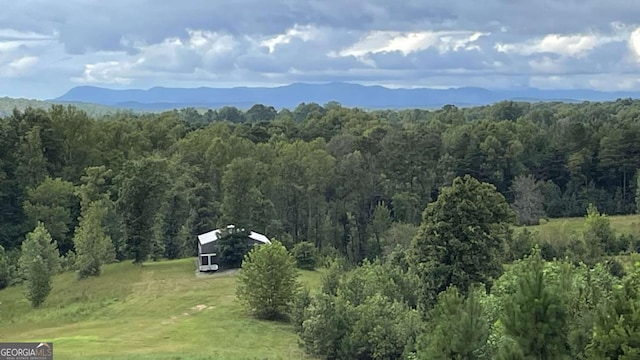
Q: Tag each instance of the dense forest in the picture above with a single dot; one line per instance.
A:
(420, 200)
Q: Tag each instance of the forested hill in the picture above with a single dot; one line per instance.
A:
(7, 105)
(310, 173)
(352, 95)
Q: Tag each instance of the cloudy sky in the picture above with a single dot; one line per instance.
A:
(49, 46)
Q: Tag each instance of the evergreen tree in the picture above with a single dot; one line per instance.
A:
(458, 329)
(616, 334)
(534, 316)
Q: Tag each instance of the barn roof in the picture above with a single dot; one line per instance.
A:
(214, 235)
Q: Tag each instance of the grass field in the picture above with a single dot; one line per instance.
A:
(154, 311)
(562, 228)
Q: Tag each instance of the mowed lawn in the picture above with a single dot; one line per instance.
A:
(151, 311)
(562, 228)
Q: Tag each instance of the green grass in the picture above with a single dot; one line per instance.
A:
(564, 228)
(154, 311)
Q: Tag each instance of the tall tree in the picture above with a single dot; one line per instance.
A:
(39, 243)
(143, 185)
(243, 200)
(528, 203)
(93, 246)
(54, 203)
(38, 280)
(38, 261)
(461, 238)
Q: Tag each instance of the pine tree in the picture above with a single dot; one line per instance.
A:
(534, 316)
(616, 334)
(459, 329)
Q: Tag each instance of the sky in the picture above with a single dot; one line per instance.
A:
(50, 46)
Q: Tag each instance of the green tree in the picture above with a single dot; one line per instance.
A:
(268, 282)
(380, 223)
(461, 238)
(93, 246)
(5, 270)
(535, 316)
(39, 243)
(54, 203)
(233, 246)
(616, 334)
(243, 201)
(459, 329)
(598, 236)
(638, 191)
(38, 280)
(143, 186)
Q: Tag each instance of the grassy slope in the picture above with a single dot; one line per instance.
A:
(147, 312)
(562, 228)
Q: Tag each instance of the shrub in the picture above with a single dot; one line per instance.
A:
(305, 254)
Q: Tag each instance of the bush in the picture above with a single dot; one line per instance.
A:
(305, 254)
(268, 282)
(521, 245)
(301, 303)
(615, 268)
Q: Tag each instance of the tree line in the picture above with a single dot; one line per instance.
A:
(350, 181)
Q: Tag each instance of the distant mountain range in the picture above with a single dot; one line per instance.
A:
(350, 95)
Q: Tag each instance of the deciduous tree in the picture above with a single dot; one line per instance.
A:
(268, 282)
(461, 238)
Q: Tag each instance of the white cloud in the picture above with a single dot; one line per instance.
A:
(108, 72)
(546, 65)
(409, 42)
(576, 45)
(305, 33)
(634, 43)
(19, 67)
(171, 56)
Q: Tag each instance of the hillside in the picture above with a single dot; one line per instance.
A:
(351, 95)
(155, 311)
(94, 110)
(562, 228)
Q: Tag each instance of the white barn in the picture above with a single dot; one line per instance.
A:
(208, 247)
